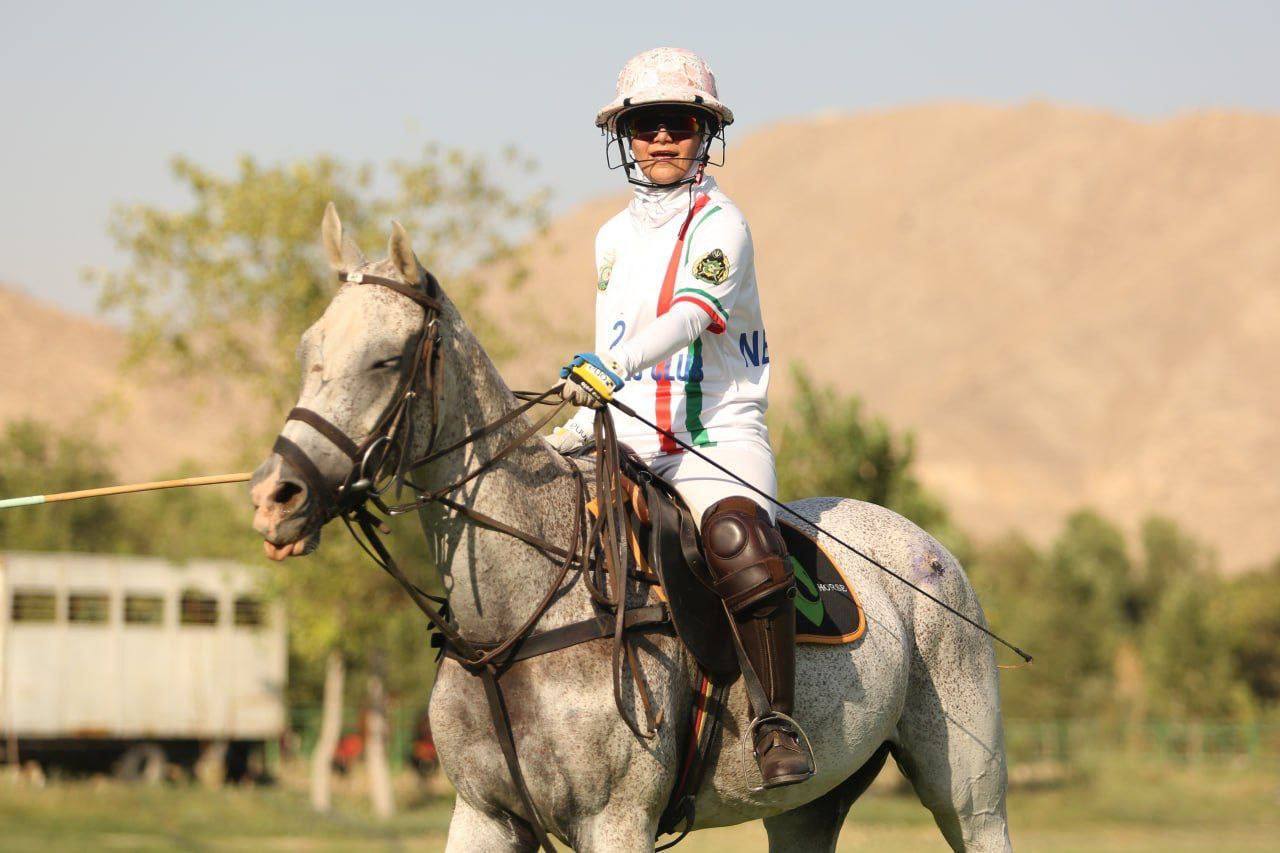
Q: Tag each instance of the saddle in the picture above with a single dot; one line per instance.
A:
(669, 547)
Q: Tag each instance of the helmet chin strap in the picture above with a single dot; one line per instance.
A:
(692, 175)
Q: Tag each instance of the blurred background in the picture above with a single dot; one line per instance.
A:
(1019, 264)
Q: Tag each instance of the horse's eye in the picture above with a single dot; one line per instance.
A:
(388, 363)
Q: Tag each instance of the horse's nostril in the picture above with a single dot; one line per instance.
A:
(286, 492)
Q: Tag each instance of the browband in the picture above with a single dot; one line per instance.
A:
(424, 296)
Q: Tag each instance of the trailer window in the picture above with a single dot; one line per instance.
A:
(30, 605)
(143, 610)
(199, 609)
(248, 612)
(88, 607)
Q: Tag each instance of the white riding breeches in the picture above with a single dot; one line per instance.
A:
(701, 484)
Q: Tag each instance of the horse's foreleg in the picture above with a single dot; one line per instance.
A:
(625, 829)
(471, 829)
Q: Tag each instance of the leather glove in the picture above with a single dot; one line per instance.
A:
(567, 439)
(591, 379)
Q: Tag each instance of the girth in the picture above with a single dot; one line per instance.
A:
(566, 636)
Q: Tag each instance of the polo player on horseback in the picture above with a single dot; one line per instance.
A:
(681, 340)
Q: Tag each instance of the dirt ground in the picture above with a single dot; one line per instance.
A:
(1110, 806)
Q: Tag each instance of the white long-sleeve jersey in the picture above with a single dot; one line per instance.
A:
(711, 386)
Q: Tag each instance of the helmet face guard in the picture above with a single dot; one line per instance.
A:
(618, 134)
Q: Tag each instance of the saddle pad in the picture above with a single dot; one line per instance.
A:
(827, 608)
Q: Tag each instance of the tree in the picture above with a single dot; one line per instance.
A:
(35, 460)
(827, 445)
(1186, 650)
(1187, 654)
(1014, 581)
(226, 286)
(1248, 609)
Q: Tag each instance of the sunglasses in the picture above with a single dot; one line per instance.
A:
(645, 125)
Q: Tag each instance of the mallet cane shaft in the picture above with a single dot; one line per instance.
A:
(212, 480)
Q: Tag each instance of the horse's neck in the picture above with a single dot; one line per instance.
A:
(494, 580)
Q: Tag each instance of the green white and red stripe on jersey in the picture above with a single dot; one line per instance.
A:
(667, 297)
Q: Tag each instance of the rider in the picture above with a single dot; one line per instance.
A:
(680, 339)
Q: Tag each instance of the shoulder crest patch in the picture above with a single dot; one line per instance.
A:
(713, 267)
(606, 272)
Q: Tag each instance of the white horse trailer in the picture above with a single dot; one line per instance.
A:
(126, 660)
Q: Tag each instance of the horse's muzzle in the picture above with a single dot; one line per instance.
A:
(285, 511)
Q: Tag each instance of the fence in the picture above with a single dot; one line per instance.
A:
(1067, 741)
(1026, 741)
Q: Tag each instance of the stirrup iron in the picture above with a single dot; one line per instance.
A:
(775, 717)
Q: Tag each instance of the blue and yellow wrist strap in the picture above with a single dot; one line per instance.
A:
(587, 369)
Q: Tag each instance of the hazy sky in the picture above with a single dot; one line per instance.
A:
(96, 97)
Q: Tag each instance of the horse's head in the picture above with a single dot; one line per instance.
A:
(361, 362)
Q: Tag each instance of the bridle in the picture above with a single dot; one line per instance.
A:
(597, 546)
(393, 427)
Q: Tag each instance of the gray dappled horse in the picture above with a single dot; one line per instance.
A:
(919, 685)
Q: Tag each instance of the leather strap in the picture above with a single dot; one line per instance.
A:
(566, 636)
(747, 586)
(424, 295)
(506, 739)
(680, 805)
(294, 455)
(328, 430)
(755, 690)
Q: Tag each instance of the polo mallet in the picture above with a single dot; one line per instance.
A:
(212, 480)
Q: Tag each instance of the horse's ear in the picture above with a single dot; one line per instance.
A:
(400, 250)
(331, 235)
(340, 250)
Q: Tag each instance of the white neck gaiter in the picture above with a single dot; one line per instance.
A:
(653, 207)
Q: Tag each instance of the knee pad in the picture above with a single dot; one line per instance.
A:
(746, 554)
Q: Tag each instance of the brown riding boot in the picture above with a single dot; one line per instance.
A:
(769, 636)
(748, 561)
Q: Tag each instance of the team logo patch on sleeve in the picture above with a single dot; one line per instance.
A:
(713, 267)
(606, 272)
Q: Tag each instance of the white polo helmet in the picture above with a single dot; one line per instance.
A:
(665, 75)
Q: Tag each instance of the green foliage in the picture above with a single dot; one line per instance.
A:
(1120, 635)
(33, 461)
(1187, 656)
(1248, 611)
(827, 445)
(228, 285)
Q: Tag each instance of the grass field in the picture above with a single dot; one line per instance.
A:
(1110, 806)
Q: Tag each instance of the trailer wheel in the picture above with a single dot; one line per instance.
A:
(142, 762)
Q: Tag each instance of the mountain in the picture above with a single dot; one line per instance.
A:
(69, 372)
(1068, 307)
